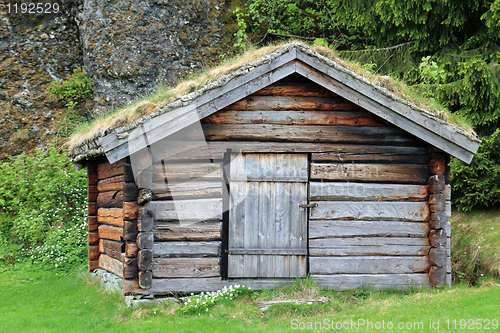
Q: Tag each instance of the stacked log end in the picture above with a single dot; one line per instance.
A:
(440, 207)
(139, 236)
(93, 225)
(110, 197)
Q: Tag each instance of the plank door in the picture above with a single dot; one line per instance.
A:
(267, 227)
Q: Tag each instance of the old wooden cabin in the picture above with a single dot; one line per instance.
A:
(291, 165)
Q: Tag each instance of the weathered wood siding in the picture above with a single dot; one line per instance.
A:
(93, 225)
(180, 224)
(368, 178)
(110, 191)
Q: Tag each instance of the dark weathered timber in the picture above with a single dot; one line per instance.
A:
(146, 223)
(128, 173)
(366, 192)
(370, 210)
(284, 103)
(92, 193)
(145, 279)
(93, 238)
(145, 240)
(107, 170)
(377, 228)
(437, 276)
(338, 118)
(437, 167)
(185, 267)
(111, 232)
(438, 256)
(185, 249)
(130, 269)
(110, 216)
(378, 173)
(110, 199)
(93, 252)
(92, 163)
(131, 211)
(111, 248)
(187, 171)
(131, 249)
(303, 89)
(92, 223)
(92, 265)
(435, 153)
(130, 230)
(438, 238)
(187, 190)
(369, 265)
(438, 220)
(436, 184)
(111, 184)
(351, 281)
(111, 264)
(202, 231)
(194, 150)
(130, 192)
(364, 153)
(92, 178)
(144, 179)
(303, 133)
(447, 174)
(437, 200)
(145, 260)
(92, 208)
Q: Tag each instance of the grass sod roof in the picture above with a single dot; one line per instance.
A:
(86, 142)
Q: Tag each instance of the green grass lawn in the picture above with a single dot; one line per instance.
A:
(45, 302)
(48, 302)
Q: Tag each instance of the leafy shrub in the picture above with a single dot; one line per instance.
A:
(72, 91)
(42, 209)
(478, 184)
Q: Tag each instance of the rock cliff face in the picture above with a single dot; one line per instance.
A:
(127, 47)
(34, 50)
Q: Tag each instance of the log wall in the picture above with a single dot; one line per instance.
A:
(440, 207)
(179, 226)
(92, 209)
(374, 219)
(109, 193)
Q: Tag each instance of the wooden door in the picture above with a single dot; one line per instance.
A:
(267, 227)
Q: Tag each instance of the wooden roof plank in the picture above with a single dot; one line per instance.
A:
(360, 88)
(386, 113)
